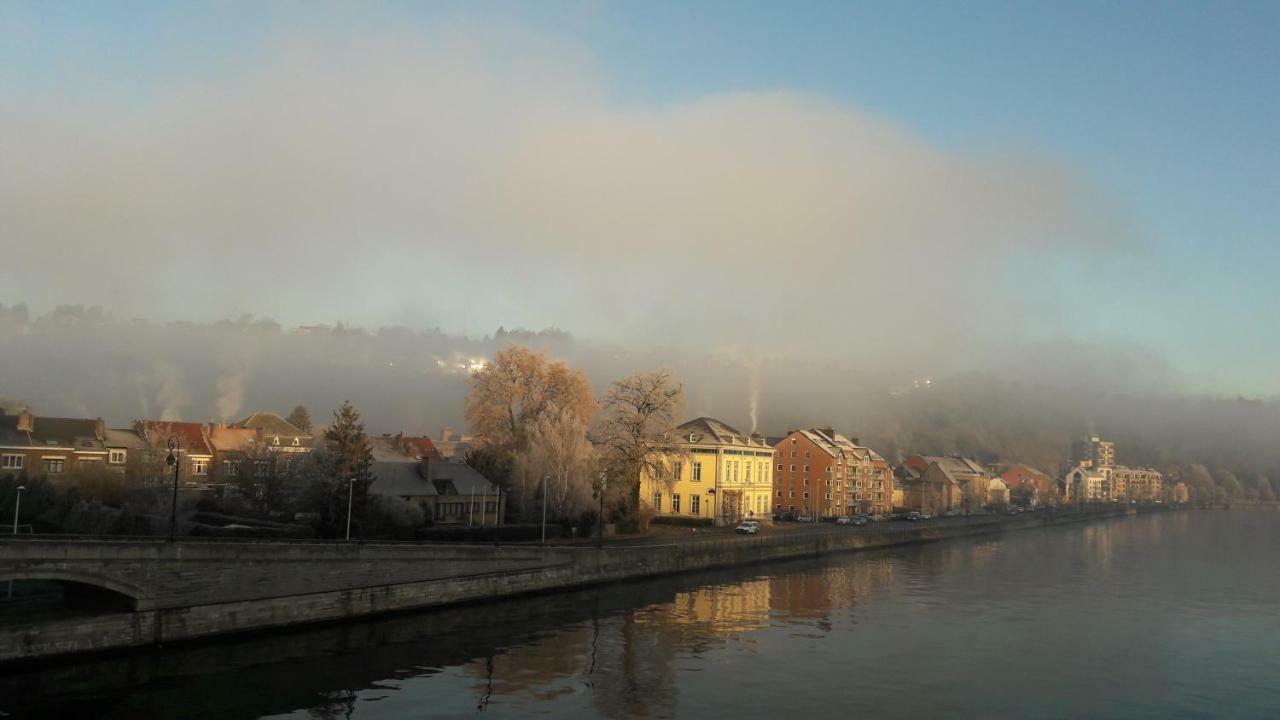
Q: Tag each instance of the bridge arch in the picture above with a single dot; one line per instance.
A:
(82, 590)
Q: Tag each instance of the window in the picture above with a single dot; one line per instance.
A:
(806, 454)
(806, 496)
(11, 462)
(806, 468)
(697, 472)
(657, 501)
(792, 493)
(297, 442)
(199, 466)
(793, 468)
(675, 503)
(828, 496)
(116, 457)
(793, 453)
(779, 467)
(695, 504)
(275, 441)
(53, 466)
(677, 469)
(230, 467)
(748, 478)
(779, 493)
(260, 468)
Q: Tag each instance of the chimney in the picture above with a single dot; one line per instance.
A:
(26, 421)
(828, 431)
(757, 437)
(100, 429)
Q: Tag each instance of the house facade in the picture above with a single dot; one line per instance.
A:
(821, 473)
(194, 453)
(1027, 484)
(50, 446)
(945, 484)
(712, 471)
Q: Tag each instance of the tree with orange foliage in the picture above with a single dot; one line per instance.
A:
(513, 394)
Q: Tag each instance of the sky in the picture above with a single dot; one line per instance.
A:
(954, 181)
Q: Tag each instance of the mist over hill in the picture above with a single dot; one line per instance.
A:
(1024, 407)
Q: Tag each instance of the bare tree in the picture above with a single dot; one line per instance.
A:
(559, 451)
(640, 413)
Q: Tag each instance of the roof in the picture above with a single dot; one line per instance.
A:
(124, 438)
(953, 467)
(1019, 474)
(404, 477)
(465, 479)
(232, 439)
(75, 433)
(837, 445)
(709, 431)
(272, 425)
(191, 435)
(414, 447)
(399, 478)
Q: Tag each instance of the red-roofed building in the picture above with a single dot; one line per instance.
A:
(194, 451)
(1043, 490)
(418, 448)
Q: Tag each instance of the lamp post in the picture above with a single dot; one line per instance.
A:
(16, 505)
(601, 484)
(175, 451)
(545, 480)
(351, 489)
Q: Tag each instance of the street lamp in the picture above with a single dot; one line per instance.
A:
(545, 480)
(601, 484)
(351, 489)
(175, 449)
(17, 505)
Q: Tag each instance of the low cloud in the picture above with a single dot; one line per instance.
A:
(465, 176)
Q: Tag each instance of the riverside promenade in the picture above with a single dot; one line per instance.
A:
(124, 593)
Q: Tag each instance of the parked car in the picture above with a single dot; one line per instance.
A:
(844, 520)
(804, 518)
(878, 518)
(859, 520)
(914, 516)
(749, 527)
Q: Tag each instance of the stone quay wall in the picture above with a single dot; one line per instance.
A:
(184, 591)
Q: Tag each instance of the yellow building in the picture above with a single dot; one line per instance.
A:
(714, 472)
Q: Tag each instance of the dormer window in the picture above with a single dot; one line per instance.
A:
(275, 441)
(297, 442)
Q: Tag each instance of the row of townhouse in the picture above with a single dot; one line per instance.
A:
(710, 470)
(57, 448)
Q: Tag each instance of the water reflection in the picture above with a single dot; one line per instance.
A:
(917, 631)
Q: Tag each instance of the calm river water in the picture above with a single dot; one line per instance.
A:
(1171, 615)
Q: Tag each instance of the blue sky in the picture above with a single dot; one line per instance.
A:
(1168, 112)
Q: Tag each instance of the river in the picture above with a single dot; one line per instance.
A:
(1170, 615)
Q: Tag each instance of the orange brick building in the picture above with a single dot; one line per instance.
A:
(821, 473)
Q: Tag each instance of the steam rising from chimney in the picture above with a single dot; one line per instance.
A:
(754, 400)
(230, 389)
